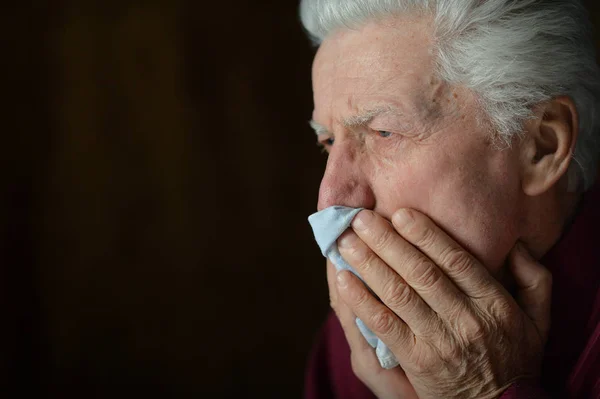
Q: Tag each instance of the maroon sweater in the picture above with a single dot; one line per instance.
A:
(571, 366)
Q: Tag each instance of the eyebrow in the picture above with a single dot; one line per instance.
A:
(318, 128)
(355, 121)
(367, 116)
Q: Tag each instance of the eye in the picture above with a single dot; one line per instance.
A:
(325, 143)
(384, 133)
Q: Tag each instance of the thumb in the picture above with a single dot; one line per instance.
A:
(534, 288)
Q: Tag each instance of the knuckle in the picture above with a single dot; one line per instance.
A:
(471, 327)
(397, 295)
(420, 362)
(451, 354)
(426, 275)
(455, 310)
(502, 310)
(358, 252)
(383, 240)
(384, 323)
(367, 264)
(456, 260)
(360, 297)
(424, 235)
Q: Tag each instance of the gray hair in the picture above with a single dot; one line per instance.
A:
(513, 54)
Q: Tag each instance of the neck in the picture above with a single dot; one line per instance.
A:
(547, 216)
(551, 215)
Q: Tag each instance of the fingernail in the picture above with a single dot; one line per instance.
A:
(342, 278)
(362, 220)
(402, 218)
(347, 240)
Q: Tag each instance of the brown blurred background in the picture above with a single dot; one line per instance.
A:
(158, 171)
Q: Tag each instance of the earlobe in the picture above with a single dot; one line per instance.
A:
(547, 151)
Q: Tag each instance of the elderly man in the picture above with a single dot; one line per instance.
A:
(467, 131)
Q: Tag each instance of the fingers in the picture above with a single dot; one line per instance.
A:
(417, 270)
(391, 383)
(534, 283)
(361, 350)
(378, 317)
(358, 344)
(470, 276)
(331, 272)
(388, 285)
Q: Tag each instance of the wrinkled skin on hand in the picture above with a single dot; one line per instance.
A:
(455, 330)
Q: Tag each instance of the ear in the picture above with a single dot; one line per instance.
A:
(547, 150)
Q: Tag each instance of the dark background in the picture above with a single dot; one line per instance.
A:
(157, 173)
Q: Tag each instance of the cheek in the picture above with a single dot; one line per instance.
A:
(481, 211)
(404, 184)
(473, 200)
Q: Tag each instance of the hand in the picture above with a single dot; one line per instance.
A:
(385, 384)
(456, 332)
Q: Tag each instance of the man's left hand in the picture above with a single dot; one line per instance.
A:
(453, 327)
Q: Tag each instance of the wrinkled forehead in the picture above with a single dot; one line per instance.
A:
(395, 37)
(379, 60)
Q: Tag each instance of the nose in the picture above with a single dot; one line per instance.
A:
(345, 182)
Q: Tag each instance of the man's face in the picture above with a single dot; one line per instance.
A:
(402, 138)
